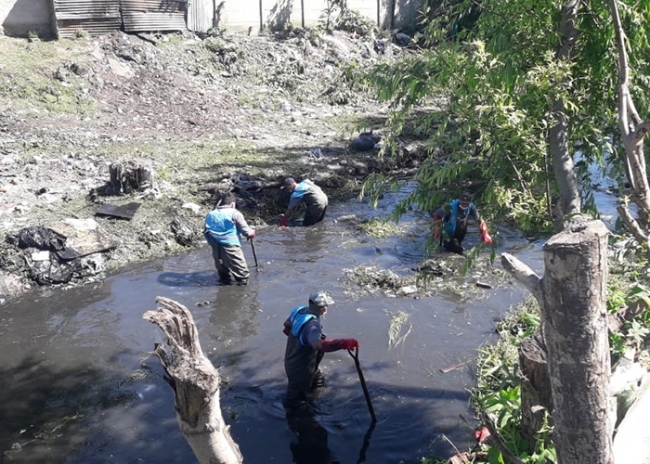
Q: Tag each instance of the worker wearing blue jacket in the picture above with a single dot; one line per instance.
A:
(306, 346)
(450, 223)
(311, 194)
(223, 226)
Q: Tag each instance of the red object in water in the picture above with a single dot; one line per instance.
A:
(481, 435)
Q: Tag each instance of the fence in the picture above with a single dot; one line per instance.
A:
(64, 18)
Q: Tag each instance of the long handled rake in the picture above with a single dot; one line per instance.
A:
(355, 356)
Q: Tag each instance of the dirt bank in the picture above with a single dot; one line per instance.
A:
(198, 116)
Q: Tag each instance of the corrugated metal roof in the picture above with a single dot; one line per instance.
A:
(153, 15)
(95, 17)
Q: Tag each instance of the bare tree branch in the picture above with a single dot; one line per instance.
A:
(522, 273)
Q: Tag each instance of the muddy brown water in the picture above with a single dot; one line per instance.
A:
(77, 384)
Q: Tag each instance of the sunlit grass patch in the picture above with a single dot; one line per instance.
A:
(27, 79)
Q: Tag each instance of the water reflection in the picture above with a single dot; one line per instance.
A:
(232, 313)
(188, 279)
(310, 445)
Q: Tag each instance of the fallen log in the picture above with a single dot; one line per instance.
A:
(196, 383)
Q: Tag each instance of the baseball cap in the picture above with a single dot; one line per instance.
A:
(287, 182)
(320, 299)
(464, 198)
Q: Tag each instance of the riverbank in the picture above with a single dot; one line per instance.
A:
(198, 116)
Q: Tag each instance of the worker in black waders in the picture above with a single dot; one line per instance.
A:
(306, 346)
(450, 224)
(223, 226)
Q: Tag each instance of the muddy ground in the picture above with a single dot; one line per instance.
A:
(193, 116)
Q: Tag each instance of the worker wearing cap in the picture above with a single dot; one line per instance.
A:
(453, 217)
(223, 226)
(306, 346)
(311, 194)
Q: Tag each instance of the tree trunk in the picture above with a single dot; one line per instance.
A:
(572, 295)
(575, 321)
(535, 386)
(561, 156)
(633, 130)
(196, 385)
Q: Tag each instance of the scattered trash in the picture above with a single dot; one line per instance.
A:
(347, 218)
(41, 256)
(196, 209)
(408, 290)
(444, 370)
(315, 153)
(121, 212)
(402, 39)
(41, 238)
(366, 141)
(182, 232)
(82, 238)
(483, 284)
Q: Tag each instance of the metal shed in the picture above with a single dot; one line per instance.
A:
(153, 15)
(95, 17)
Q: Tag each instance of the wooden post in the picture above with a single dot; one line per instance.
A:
(302, 13)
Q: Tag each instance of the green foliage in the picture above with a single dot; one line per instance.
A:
(488, 95)
(80, 33)
(498, 377)
(337, 16)
(498, 388)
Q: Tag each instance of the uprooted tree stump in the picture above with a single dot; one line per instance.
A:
(196, 385)
(128, 176)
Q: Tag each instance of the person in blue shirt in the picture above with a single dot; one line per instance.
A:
(223, 226)
(311, 194)
(450, 224)
(306, 346)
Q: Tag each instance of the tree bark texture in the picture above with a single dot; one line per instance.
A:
(535, 386)
(572, 295)
(575, 324)
(196, 385)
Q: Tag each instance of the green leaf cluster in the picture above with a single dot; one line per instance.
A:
(482, 97)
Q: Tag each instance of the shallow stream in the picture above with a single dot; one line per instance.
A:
(77, 384)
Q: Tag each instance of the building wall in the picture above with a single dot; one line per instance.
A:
(20, 17)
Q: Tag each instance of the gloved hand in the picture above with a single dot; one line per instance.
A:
(339, 344)
(283, 222)
(437, 226)
(349, 344)
(253, 235)
(485, 236)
